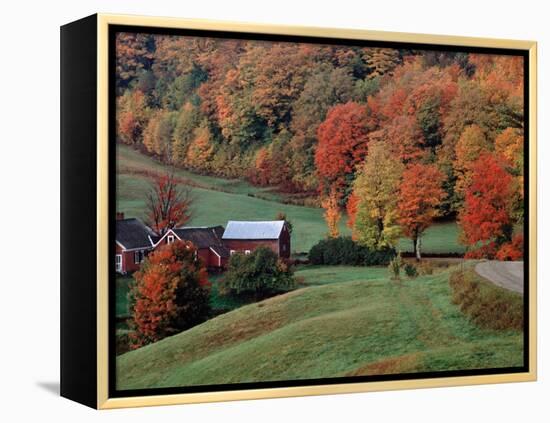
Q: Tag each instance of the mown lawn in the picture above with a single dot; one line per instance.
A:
(367, 326)
(322, 275)
(218, 200)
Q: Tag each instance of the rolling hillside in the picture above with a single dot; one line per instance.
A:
(218, 200)
(360, 327)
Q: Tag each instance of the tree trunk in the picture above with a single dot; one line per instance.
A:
(417, 248)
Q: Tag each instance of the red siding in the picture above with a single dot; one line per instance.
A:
(204, 255)
(216, 261)
(128, 261)
(241, 245)
(208, 258)
(284, 243)
(213, 259)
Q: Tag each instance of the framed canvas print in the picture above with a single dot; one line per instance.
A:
(254, 211)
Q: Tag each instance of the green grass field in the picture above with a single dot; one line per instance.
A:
(360, 324)
(322, 275)
(218, 200)
(123, 284)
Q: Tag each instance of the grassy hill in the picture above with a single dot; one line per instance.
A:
(362, 326)
(218, 200)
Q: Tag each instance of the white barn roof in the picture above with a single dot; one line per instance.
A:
(253, 230)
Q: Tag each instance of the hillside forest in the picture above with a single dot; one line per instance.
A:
(394, 139)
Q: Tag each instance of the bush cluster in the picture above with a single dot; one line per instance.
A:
(261, 273)
(343, 250)
(410, 270)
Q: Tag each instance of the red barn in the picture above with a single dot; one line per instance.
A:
(245, 237)
(208, 240)
(134, 240)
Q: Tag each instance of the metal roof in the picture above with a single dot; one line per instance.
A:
(253, 230)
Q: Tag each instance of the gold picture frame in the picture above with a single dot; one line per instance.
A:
(102, 22)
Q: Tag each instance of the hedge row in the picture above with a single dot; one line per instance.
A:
(344, 250)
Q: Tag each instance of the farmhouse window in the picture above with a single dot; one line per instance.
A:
(118, 262)
(247, 251)
(231, 252)
(170, 239)
(138, 257)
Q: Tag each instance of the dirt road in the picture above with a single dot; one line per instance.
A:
(507, 274)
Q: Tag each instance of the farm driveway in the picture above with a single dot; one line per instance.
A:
(507, 274)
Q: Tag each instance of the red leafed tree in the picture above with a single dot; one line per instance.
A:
(167, 205)
(420, 194)
(486, 219)
(512, 250)
(171, 294)
(343, 138)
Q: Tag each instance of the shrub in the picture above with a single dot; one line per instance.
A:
(487, 305)
(171, 294)
(260, 273)
(410, 270)
(512, 250)
(395, 267)
(345, 251)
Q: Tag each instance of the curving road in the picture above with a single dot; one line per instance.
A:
(506, 274)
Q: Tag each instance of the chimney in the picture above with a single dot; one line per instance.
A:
(119, 216)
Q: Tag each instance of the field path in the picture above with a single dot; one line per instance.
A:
(506, 274)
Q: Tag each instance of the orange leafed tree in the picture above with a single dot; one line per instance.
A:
(131, 117)
(332, 213)
(420, 194)
(343, 138)
(201, 149)
(171, 294)
(509, 143)
(470, 145)
(351, 209)
(260, 174)
(486, 219)
(167, 205)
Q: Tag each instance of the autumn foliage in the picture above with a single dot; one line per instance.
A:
(301, 119)
(375, 194)
(343, 139)
(420, 194)
(170, 294)
(332, 213)
(512, 250)
(167, 205)
(486, 218)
